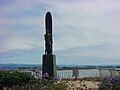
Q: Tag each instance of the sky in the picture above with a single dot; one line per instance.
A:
(85, 32)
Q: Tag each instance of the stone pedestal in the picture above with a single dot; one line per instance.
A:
(49, 65)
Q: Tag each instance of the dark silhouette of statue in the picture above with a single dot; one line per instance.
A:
(48, 35)
(49, 59)
(48, 42)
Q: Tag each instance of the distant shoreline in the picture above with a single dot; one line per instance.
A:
(39, 66)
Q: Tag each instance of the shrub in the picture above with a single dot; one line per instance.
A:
(10, 78)
(52, 84)
(56, 86)
(110, 83)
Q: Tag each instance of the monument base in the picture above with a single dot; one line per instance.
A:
(49, 65)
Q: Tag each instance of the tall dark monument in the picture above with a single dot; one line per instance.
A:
(49, 60)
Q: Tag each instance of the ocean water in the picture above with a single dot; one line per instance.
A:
(104, 72)
(107, 73)
(69, 73)
(82, 73)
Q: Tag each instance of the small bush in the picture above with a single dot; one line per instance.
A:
(10, 78)
(53, 84)
(58, 86)
(110, 83)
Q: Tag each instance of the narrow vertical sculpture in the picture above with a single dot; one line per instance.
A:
(48, 35)
(49, 60)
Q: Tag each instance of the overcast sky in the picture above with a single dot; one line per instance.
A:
(85, 31)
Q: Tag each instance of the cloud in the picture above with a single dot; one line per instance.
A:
(20, 26)
(83, 30)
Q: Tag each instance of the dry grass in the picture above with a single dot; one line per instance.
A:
(82, 84)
